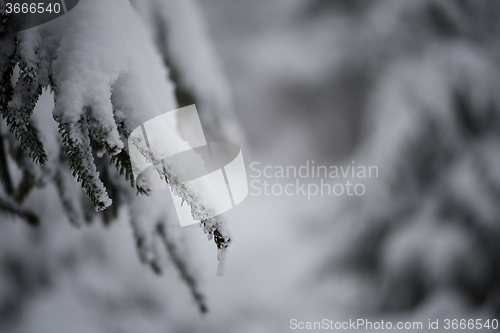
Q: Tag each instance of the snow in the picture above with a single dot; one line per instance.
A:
(288, 255)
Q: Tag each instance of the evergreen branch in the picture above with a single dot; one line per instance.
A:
(8, 47)
(9, 208)
(62, 180)
(18, 103)
(119, 157)
(5, 178)
(122, 160)
(114, 192)
(183, 94)
(118, 189)
(147, 255)
(29, 178)
(28, 182)
(123, 165)
(99, 135)
(20, 108)
(215, 228)
(76, 141)
(186, 275)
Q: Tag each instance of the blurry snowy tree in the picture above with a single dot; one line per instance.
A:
(431, 222)
(110, 65)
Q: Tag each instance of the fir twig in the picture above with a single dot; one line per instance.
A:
(78, 151)
(183, 269)
(9, 208)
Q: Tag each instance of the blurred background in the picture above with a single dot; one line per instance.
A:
(408, 86)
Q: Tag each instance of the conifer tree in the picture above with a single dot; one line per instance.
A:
(109, 67)
(431, 221)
